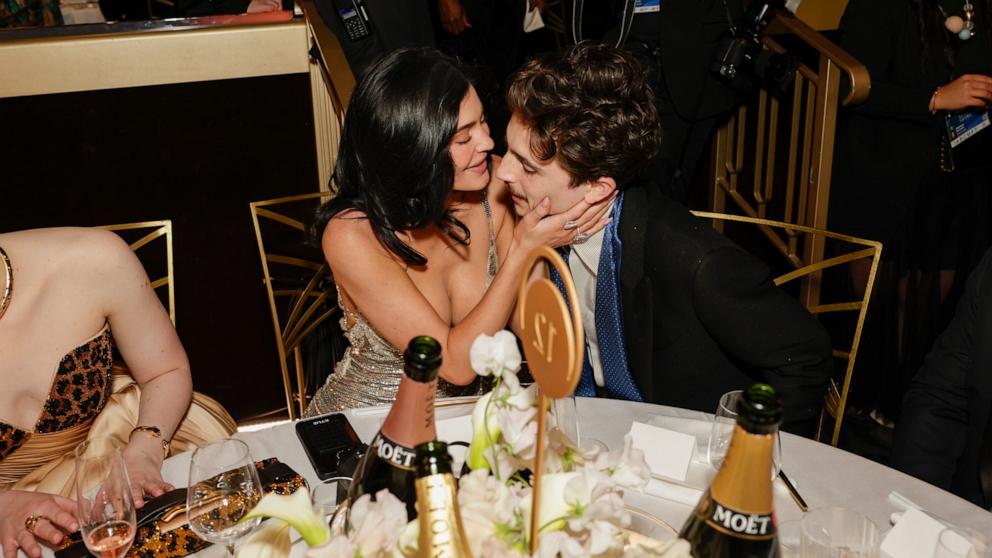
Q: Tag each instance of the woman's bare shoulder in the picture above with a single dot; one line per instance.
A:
(348, 234)
(80, 247)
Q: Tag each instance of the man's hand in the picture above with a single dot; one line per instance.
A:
(453, 17)
(54, 513)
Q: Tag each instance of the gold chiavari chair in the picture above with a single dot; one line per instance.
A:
(844, 318)
(298, 283)
(156, 257)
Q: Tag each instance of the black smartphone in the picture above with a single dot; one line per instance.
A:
(328, 441)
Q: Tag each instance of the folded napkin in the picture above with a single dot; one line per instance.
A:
(915, 535)
(673, 492)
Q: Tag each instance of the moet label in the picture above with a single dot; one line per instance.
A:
(400, 456)
(740, 524)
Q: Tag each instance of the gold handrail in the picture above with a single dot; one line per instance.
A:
(773, 158)
(856, 72)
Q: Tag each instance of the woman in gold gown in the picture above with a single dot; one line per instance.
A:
(68, 296)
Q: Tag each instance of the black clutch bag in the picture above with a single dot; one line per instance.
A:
(162, 527)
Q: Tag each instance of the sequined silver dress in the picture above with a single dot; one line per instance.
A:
(370, 371)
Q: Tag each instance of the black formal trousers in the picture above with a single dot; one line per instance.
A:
(702, 317)
(944, 435)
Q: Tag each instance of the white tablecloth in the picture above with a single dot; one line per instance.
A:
(824, 475)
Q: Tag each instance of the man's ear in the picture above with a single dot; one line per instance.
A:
(599, 189)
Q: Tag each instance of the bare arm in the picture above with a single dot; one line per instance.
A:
(152, 350)
(377, 284)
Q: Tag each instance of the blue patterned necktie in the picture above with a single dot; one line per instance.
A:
(609, 323)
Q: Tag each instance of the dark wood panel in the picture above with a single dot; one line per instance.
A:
(197, 154)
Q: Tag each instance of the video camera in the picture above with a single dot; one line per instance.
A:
(743, 55)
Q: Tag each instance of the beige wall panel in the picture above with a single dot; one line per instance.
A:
(60, 65)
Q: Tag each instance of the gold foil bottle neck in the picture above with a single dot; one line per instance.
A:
(441, 531)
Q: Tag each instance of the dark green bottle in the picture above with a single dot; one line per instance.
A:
(389, 462)
(735, 518)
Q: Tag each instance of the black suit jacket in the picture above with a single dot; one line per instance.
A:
(702, 317)
(944, 435)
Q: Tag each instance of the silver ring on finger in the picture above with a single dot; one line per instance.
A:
(580, 238)
(570, 225)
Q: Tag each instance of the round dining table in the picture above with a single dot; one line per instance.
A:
(822, 474)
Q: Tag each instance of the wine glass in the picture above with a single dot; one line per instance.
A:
(962, 542)
(223, 488)
(722, 431)
(103, 497)
(835, 532)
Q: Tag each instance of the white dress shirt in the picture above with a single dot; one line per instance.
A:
(584, 266)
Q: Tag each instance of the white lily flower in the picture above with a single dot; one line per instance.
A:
(485, 432)
(494, 355)
(296, 510)
(338, 547)
(271, 541)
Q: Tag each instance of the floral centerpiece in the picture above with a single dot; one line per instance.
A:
(581, 513)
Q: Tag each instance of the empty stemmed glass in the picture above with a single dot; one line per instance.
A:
(223, 488)
(724, 421)
(103, 498)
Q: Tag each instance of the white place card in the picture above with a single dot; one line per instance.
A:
(914, 536)
(667, 452)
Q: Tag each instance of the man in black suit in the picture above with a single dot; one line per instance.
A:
(944, 435)
(674, 313)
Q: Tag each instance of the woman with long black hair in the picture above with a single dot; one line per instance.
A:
(420, 238)
(927, 59)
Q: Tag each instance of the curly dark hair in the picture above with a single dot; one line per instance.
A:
(393, 163)
(590, 107)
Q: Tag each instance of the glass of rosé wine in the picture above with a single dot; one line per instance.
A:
(104, 502)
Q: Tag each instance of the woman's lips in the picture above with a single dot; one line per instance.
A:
(480, 167)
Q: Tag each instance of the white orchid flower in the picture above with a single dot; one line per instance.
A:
(627, 467)
(296, 510)
(376, 526)
(496, 354)
(519, 429)
(560, 543)
(522, 399)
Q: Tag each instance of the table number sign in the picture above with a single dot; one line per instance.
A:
(553, 340)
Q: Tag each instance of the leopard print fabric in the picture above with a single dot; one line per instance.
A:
(79, 392)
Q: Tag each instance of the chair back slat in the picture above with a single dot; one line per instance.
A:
(157, 260)
(811, 244)
(298, 285)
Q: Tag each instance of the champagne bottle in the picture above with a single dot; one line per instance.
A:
(441, 531)
(736, 517)
(389, 461)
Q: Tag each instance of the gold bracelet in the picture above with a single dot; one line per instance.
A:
(154, 432)
(933, 100)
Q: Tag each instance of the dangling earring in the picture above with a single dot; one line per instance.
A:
(963, 28)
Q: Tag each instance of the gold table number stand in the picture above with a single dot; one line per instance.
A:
(553, 341)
